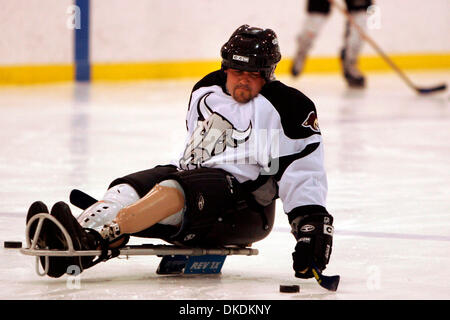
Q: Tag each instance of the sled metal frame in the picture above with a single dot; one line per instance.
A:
(132, 250)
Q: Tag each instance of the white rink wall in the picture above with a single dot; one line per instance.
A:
(36, 32)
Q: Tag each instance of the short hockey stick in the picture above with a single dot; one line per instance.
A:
(402, 75)
(328, 282)
(81, 199)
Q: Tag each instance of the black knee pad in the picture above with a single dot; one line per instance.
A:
(357, 5)
(323, 6)
(218, 211)
(318, 6)
(144, 181)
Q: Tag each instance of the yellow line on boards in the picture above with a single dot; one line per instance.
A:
(32, 74)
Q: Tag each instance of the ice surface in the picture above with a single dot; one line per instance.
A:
(388, 160)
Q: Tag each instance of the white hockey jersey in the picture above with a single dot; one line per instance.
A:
(272, 144)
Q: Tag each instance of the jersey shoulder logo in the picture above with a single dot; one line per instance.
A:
(311, 122)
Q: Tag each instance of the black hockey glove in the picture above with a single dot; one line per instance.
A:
(314, 234)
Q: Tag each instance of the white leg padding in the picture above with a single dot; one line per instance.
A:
(305, 40)
(312, 26)
(122, 194)
(106, 210)
(353, 40)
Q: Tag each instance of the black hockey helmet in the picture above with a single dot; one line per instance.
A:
(252, 49)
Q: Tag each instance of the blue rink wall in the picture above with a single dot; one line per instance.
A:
(65, 40)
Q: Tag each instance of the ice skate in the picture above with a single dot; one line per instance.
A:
(51, 237)
(298, 63)
(36, 208)
(352, 75)
(83, 239)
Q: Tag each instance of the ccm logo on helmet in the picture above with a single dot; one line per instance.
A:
(240, 58)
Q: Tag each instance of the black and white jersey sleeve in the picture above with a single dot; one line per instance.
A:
(298, 160)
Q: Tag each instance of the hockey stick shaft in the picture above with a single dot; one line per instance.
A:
(383, 55)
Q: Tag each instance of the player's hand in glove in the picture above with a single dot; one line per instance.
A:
(314, 234)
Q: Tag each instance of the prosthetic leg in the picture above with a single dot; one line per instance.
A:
(352, 47)
(121, 212)
(163, 204)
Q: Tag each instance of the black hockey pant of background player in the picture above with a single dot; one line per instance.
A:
(323, 6)
(218, 212)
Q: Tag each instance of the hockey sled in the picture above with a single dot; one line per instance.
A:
(175, 259)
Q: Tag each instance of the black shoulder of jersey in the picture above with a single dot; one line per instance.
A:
(297, 112)
(217, 77)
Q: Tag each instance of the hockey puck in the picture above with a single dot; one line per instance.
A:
(289, 288)
(12, 244)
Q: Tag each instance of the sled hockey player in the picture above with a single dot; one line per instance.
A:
(250, 140)
(318, 12)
